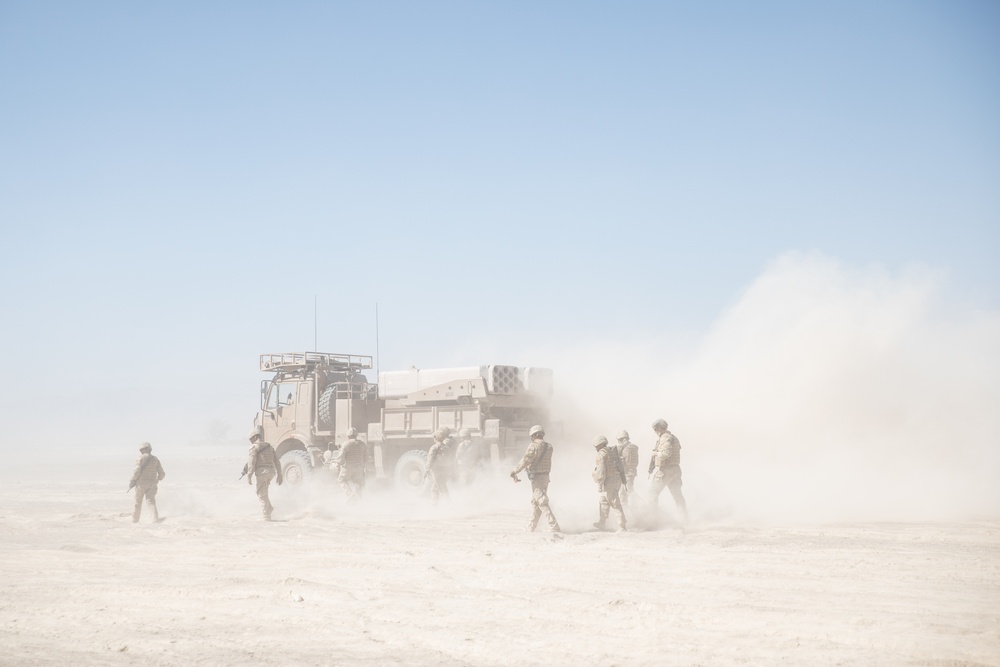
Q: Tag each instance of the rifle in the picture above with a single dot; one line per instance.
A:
(652, 464)
(244, 473)
(131, 483)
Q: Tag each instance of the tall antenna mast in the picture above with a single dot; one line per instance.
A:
(376, 341)
(315, 327)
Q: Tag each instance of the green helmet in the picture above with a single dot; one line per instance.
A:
(623, 434)
(536, 430)
(600, 441)
(659, 423)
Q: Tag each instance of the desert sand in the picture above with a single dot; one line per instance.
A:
(396, 581)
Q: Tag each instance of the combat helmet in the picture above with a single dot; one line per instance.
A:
(256, 432)
(660, 423)
(536, 430)
(464, 433)
(145, 447)
(623, 434)
(352, 432)
(600, 441)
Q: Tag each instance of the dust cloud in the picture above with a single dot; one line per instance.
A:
(826, 393)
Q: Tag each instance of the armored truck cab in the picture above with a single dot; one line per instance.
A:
(313, 398)
(309, 403)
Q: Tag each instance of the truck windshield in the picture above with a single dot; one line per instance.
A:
(280, 394)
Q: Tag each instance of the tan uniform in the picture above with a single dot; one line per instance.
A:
(667, 461)
(439, 469)
(263, 462)
(352, 469)
(629, 455)
(537, 460)
(148, 473)
(609, 484)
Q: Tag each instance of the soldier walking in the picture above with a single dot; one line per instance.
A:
(439, 466)
(148, 473)
(610, 477)
(628, 452)
(262, 462)
(537, 460)
(666, 466)
(352, 466)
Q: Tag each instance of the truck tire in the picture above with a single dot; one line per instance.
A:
(295, 467)
(409, 471)
(327, 407)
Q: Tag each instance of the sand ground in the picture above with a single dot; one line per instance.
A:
(464, 584)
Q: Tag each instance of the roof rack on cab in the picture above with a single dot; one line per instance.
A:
(283, 361)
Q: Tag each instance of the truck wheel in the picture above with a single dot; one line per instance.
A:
(409, 472)
(295, 467)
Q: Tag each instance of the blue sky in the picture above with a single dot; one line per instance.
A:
(177, 180)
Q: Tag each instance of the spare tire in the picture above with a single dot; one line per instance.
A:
(328, 407)
(295, 466)
(409, 471)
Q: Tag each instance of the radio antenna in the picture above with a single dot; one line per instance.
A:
(376, 341)
(315, 327)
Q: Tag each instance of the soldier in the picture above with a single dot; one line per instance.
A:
(262, 462)
(466, 457)
(628, 452)
(148, 473)
(609, 475)
(438, 466)
(666, 462)
(352, 466)
(538, 462)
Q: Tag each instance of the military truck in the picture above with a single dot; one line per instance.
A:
(311, 399)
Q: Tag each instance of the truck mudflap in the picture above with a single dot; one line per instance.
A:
(375, 445)
(491, 434)
(379, 460)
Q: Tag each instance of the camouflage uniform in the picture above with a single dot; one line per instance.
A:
(148, 473)
(609, 483)
(439, 468)
(352, 469)
(667, 461)
(263, 462)
(628, 452)
(538, 462)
